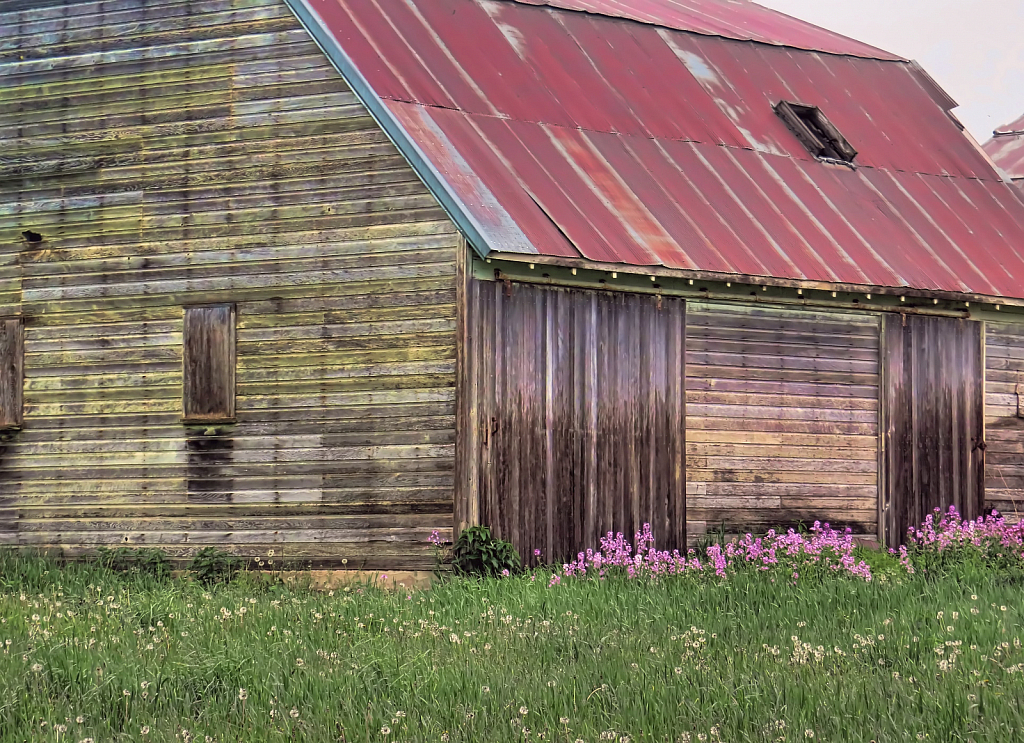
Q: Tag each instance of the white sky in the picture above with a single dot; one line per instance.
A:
(973, 48)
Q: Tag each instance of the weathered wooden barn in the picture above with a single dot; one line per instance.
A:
(318, 277)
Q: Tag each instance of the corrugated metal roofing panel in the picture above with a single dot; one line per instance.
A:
(582, 135)
(735, 19)
(1006, 148)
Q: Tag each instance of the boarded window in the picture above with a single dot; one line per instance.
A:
(208, 361)
(11, 355)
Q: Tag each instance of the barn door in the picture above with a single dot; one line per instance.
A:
(933, 450)
(574, 402)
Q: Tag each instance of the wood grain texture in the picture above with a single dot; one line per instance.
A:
(197, 153)
(933, 409)
(781, 416)
(12, 348)
(577, 410)
(208, 364)
(1004, 424)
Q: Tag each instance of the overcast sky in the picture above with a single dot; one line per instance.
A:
(973, 48)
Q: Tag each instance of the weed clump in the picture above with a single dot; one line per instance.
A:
(478, 553)
(211, 566)
(145, 561)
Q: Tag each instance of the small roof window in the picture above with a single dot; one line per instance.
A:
(815, 131)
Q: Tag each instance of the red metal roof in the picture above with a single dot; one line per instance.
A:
(1006, 148)
(578, 134)
(733, 19)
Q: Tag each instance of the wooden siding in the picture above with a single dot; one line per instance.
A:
(576, 408)
(782, 417)
(205, 152)
(932, 407)
(1004, 417)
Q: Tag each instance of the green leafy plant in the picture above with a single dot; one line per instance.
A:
(211, 565)
(478, 552)
(145, 561)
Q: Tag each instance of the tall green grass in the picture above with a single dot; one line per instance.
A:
(91, 654)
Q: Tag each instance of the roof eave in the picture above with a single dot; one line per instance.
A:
(409, 149)
(757, 280)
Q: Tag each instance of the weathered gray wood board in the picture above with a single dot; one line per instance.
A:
(1004, 417)
(781, 417)
(575, 403)
(188, 153)
(933, 410)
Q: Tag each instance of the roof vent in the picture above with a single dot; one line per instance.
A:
(815, 132)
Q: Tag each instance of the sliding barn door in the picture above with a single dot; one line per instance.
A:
(573, 410)
(932, 399)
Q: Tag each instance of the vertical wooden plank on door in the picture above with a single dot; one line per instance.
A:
(591, 396)
(652, 386)
(586, 429)
(974, 429)
(932, 399)
(466, 511)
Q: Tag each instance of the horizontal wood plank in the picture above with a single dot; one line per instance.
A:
(208, 154)
(782, 417)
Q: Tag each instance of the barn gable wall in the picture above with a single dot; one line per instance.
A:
(189, 153)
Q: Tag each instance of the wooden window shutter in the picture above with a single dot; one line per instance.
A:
(208, 361)
(12, 354)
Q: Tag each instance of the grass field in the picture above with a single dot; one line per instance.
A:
(93, 655)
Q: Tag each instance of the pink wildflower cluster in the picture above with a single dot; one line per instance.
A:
(987, 534)
(823, 546)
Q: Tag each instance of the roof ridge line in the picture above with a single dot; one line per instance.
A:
(882, 56)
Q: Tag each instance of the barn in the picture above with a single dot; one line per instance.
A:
(1006, 148)
(311, 279)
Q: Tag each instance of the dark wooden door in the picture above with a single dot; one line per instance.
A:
(932, 403)
(573, 404)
